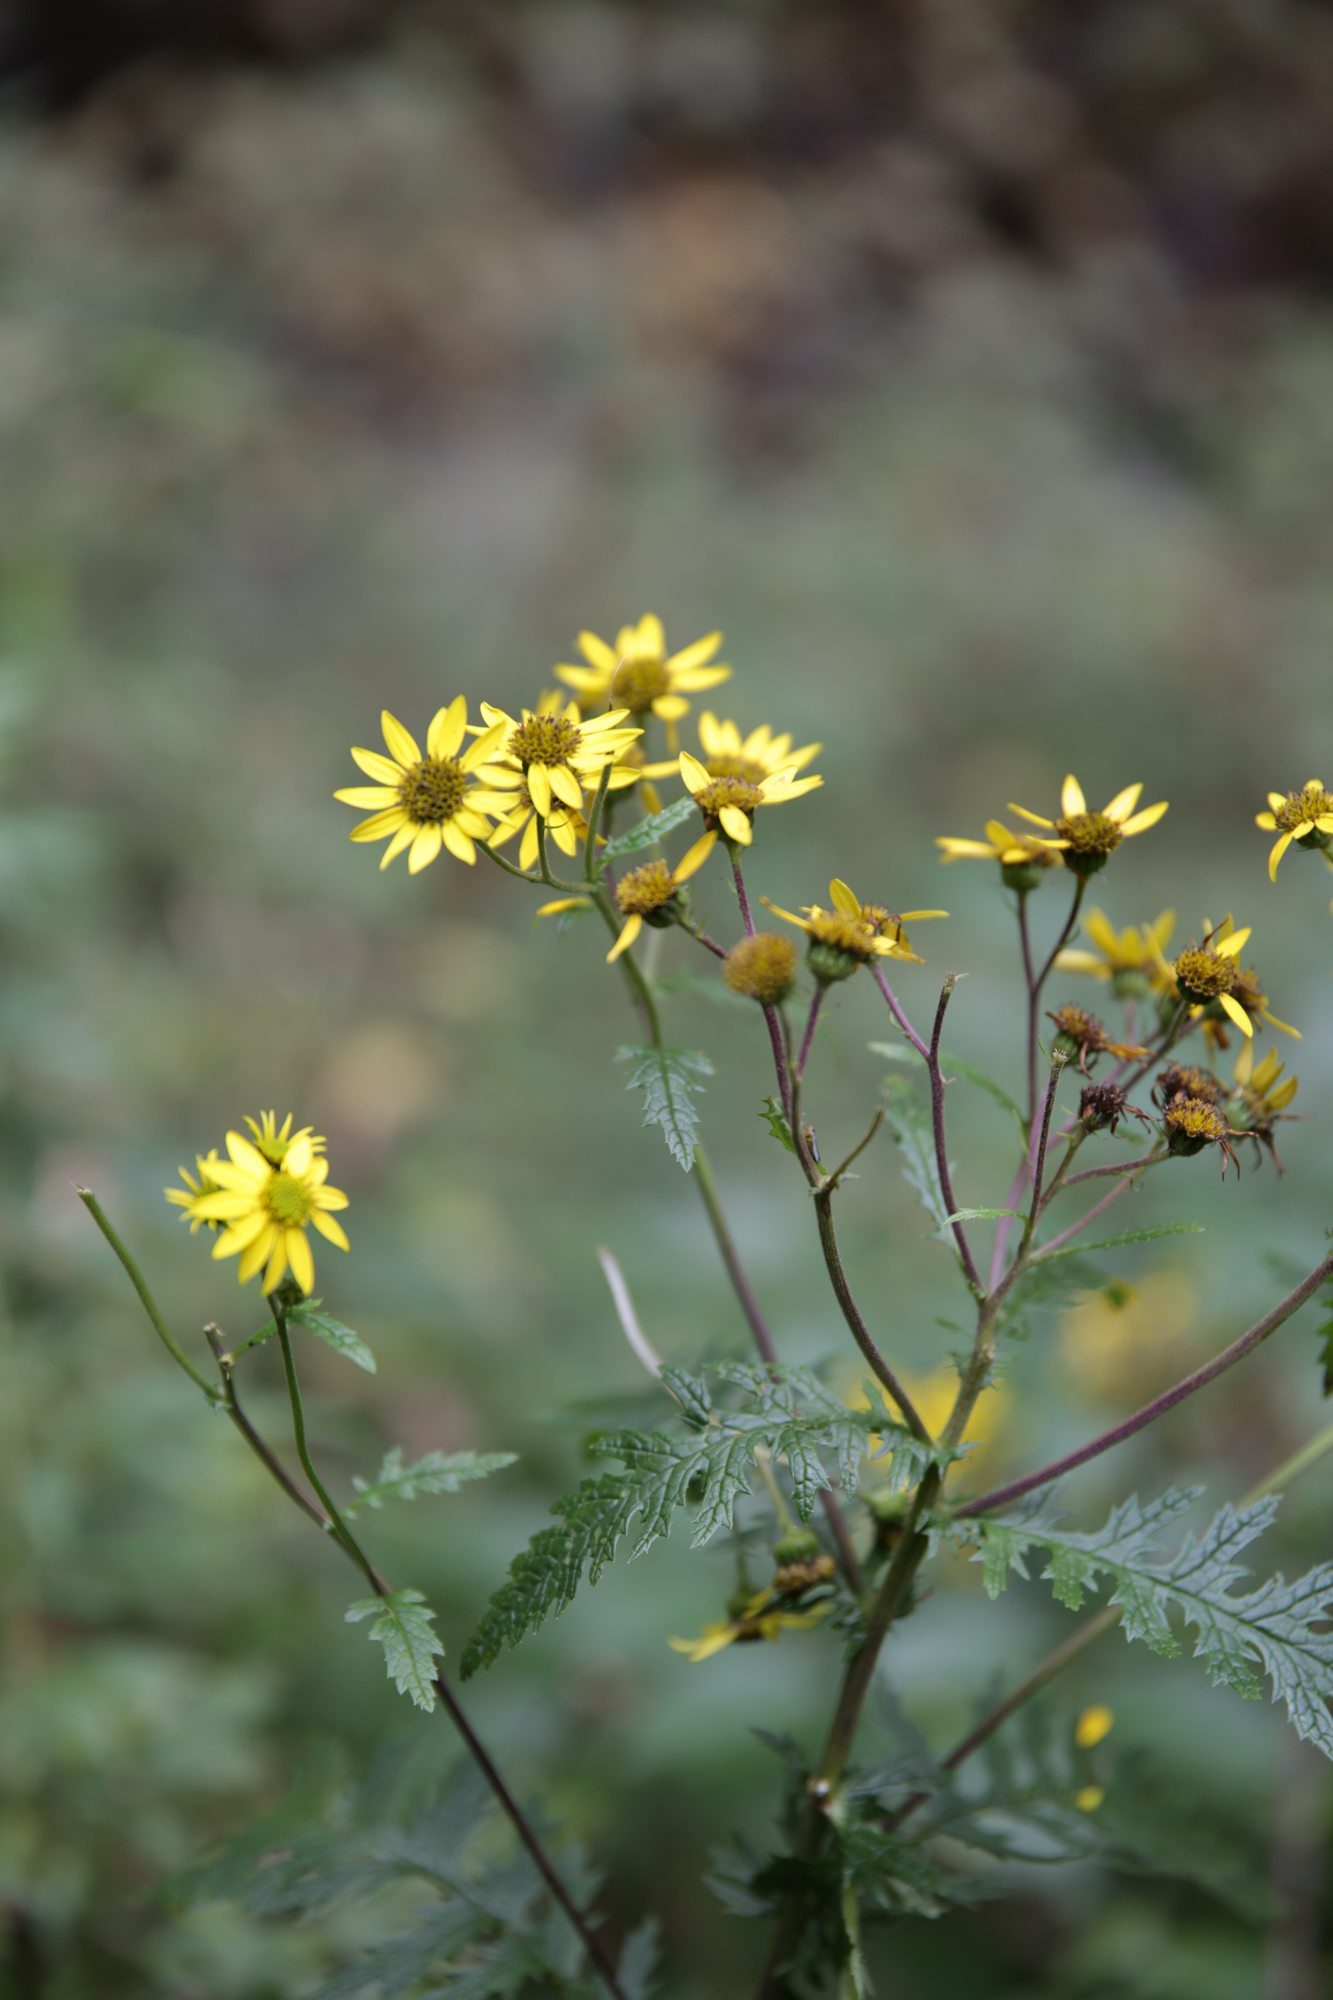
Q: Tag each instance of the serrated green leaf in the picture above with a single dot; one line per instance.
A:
(915, 1138)
(1116, 1242)
(792, 1414)
(649, 832)
(437, 1472)
(403, 1627)
(776, 1119)
(985, 1214)
(1270, 1626)
(332, 1331)
(638, 1960)
(668, 1079)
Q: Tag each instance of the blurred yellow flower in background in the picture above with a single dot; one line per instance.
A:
(750, 1624)
(725, 753)
(1093, 1726)
(1132, 959)
(731, 803)
(1122, 1343)
(1305, 817)
(638, 675)
(194, 1190)
(268, 1208)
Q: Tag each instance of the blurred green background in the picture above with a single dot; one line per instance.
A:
(971, 368)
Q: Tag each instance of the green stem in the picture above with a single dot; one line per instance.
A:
(168, 1339)
(1292, 1468)
(336, 1522)
(519, 874)
(590, 844)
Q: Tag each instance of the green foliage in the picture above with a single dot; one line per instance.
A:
(986, 1214)
(402, 1626)
(914, 1136)
(437, 1472)
(904, 1052)
(667, 1078)
(489, 1928)
(332, 1331)
(1271, 1625)
(776, 1119)
(648, 832)
(1149, 1235)
(792, 1415)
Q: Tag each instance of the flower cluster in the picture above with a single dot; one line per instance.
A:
(263, 1198)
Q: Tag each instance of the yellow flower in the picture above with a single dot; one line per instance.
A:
(551, 752)
(852, 933)
(194, 1190)
(1088, 839)
(636, 673)
(726, 754)
(645, 895)
(424, 803)
(730, 803)
(1305, 817)
(1022, 856)
(275, 1143)
(1092, 1726)
(1131, 959)
(1089, 1798)
(1208, 977)
(749, 1625)
(1259, 1100)
(268, 1208)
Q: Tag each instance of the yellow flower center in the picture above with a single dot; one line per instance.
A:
(728, 792)
(639, 680)
(287, 1200)
(1299, 807)
(1205, 974)
(431, 792)
(1188, 1080)
(762, 967)
(1084, 1030)
(1192, 1118)
(544, 739)
(646, 889)
(845, 933)
(1090, 833)
(745, 768)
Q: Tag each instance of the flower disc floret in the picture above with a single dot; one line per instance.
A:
(423, 803)
(646, 889)
(1090, 833)
(1203, 974)
(553, 754)
(762, 967)
(1191, 1124)
(268, 1209)
(433, 790)
(544, 739)
(740, 794)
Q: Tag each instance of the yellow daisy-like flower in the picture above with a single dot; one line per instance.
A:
(852, 933)
(1131, 959)
(1208, 976)
(1259, 1100)
(637, 674)
(275, 1142)
(1305, 817)
(646, 894)
(268, 1209)
(194, 1190)
(425, 803)
(751, 1624)
(731, 803)
(1086, 839)
(725, 753)
(1022, 856)
(566, 828)
(554, 754)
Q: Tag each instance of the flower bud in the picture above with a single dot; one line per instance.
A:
(762, 967)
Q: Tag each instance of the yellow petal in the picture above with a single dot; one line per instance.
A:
(1282, 1097)
(258, 1253)
(843, 898)
(404, 837)
(1273, 1022)
(242, 1234)
(1160, 932)
(247, 1158)
(484, 746)
(1071, 797)
(445, 735)
(401, 745)
(277, 1263)
(528, 848)
(1233, 945)
(963, 850)
(1237, 1013)
(633, 925)
(473, 824)
(695, 655)
(457, 843)
(297, 1159)
(1280, 846)
(334, 1231)
(424, 849)
(379, 825)
(1277, 799)
(566, 786)
(693, 773)
(1074, 960)
(366, 796)
(597, 652)
(920, 916)
(1035, 818)
(539, 788)
(1142, 821)
(563, 903)
(376, 765)
(1245, 1063)
(585, 679)
(694, 858)
(736, 824)
(714, 736)
(298, 1256)
(1266, 821)
(1123, 804)
(696, 679)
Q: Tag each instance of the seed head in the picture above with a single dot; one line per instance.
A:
(763, 967)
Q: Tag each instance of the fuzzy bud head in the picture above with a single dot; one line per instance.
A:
(762, 967)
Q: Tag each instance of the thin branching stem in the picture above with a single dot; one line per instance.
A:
(1026, 942)
(851, 1312)
(1189, 1385)
(268, 1458)
(860, 1146)
(1130, 1167)
(519, 874)
(594, 816)
(741, 897)
(941, 1139)
(811, 1023)
(146, 1300)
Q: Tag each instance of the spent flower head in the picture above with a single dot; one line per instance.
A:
(762, 967)
(1190, 1124)
(1305, 817)
(1087, 840)
(424, 803)
(1081, 1034)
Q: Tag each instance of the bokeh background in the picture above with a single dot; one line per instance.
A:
(972, 367)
